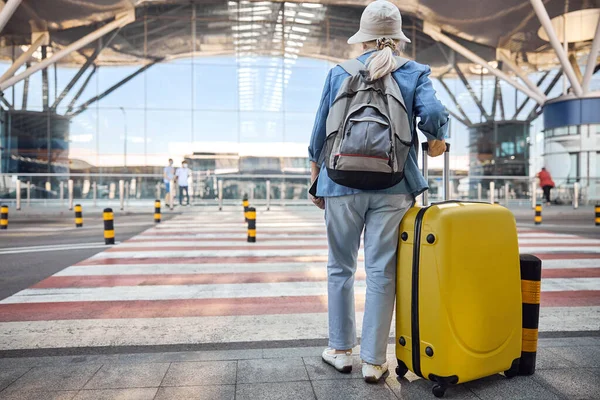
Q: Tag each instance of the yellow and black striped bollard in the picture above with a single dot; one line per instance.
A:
(157, 211)
(246, 204)
(109, 226)
(597, 214)
(4, 217)
(531, 280)
(538, 214)
(251, 214)
(78, 216)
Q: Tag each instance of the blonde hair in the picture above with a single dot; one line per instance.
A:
(383, 62)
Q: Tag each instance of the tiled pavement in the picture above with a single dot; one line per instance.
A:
(568, 368)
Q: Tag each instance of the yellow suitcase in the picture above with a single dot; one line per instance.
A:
(458, 311)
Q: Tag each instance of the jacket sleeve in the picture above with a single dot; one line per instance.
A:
(317, 140)
(433, 115)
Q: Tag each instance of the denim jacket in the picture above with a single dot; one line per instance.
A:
(416, 88)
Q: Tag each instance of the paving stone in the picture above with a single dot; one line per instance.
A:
(293, 352)
(571, 383)
(271, 370)
(117, 394)
(201, 373)
(8, 376)
(186, 356)
(319, 370)
(275, 391)
(497, 387)
(411, 387)
(54, 378)
(352, 389)
(126, 376)
(220, 392)
(582, 356)
(39, 395)
(546, 359)
(568, 342)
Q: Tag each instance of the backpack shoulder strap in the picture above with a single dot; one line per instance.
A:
(353, 66)
(401, 61)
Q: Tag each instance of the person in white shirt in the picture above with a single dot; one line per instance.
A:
(168, 176)
(183, 175)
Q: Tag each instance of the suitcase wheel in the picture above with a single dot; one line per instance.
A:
(401, 369)
(514, 369)
(438, 391)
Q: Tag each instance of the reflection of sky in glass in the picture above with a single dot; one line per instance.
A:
(253, 103)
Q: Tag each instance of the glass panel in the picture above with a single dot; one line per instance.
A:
(214, 127)
(305, 86)
(261, 127)
(168, 86)
(215, 87)
(298, 127)
(83, 137)
(574, 170)
(169, 135)
(121, 137)
(130, 95)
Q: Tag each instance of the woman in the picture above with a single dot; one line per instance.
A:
(546, 183)
(348, 211)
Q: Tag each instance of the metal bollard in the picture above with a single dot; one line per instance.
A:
(576, 195)
(220, 194)
(597, 214)
(95, 193)
(172, 194)
(251, 214)
(479, 191)
(18, 195)
(246, 205)
(122, 194)
(492, 192)
(157, 188)
(531, 277)
(538, 214)
(268, 195)
(28, 193)
(157, 211)
(61, 191)
(109, 226)
(3, 217)
(70, 191)
(506, 193)
(533, 194)
(78, 216)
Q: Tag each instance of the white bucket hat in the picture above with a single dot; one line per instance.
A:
(380, 19)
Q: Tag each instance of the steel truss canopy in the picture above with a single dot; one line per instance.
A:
(521, 36)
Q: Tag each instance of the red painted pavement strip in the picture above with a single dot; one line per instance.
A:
(218, 307)
(317, 275)
(242, 230)
(272, 260)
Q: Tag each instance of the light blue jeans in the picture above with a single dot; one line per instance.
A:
(346, 217)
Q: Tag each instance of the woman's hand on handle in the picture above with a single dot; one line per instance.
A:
(436, 147)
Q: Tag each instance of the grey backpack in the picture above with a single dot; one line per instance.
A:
(368, 131)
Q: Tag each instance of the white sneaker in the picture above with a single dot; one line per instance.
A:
(341, 362)
(373, 373)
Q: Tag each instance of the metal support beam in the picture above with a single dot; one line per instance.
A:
(436, 34)
(81, 89)
(519, 72)
(524, 103)
(7, 11)
(117, 23)
(456, 103)
(91, 101)
(458, 118)
(45, 92)
(542, 14)
(594, 53)
(25, 91)
(573, 61)
(536, 112)
(465, 82)
(23, 58)
(84, 68)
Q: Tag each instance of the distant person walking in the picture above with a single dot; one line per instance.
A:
(168, 176)
(183, 175)
(546, 183)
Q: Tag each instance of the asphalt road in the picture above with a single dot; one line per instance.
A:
(33, 249)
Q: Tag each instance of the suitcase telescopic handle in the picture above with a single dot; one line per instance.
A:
(446, 172)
